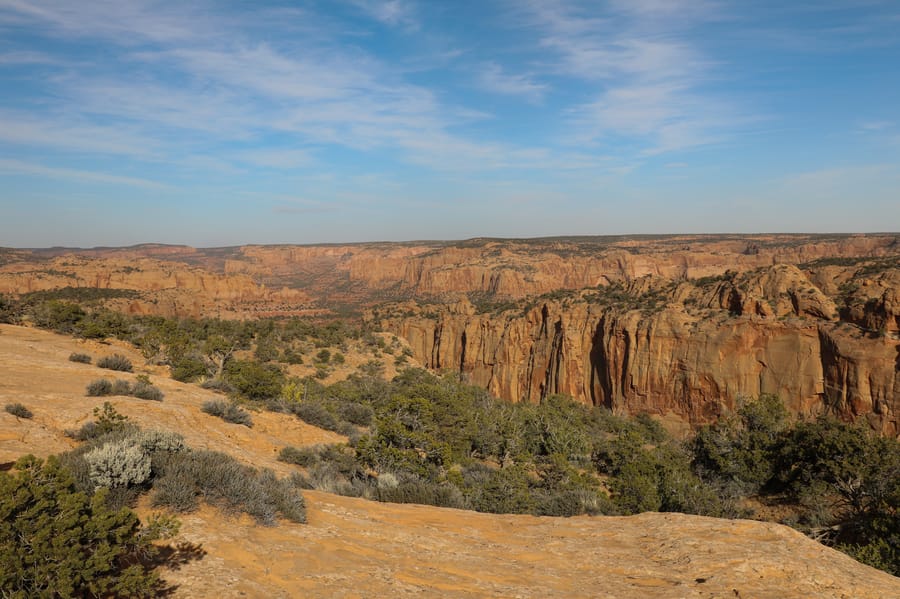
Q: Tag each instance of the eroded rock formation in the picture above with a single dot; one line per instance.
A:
(681, 349)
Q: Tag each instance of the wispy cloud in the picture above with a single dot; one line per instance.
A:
(495, 80)
(390, 12)
(27, 57)
(18, 167)
(67, 133)
(648, 73)
(277, 159)
(876, 125)
(127, 22)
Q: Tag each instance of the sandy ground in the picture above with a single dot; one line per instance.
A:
(356, 548)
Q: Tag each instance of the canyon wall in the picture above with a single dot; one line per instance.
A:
(166, 288)
(694, 357)
(522, 268)
(685, 326)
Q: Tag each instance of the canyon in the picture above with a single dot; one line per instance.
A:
(680, 327)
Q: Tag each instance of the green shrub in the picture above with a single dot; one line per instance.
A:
(152, 441)
(80, 358)
(229, 412)
(356, 413)
(59, 316)
(189, 368)
(115, 362)
(323, 357)
(253, 380)
(303, 456)
(18, 410)
(740, 451)
(415, 490)
(316, 414)
(57, 542)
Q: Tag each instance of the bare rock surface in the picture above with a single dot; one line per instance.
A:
(355, 548)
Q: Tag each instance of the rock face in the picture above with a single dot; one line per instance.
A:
(169, 288)
(522, 268)
(694, 354)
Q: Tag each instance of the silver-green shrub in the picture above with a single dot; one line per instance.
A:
(118, 464)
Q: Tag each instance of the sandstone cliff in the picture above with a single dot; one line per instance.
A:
(521, 268)
(168, 288)
(678, 325)
(680, 349)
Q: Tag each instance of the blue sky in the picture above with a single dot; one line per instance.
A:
(220, 123)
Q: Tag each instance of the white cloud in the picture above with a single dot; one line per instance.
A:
(18, 167)
(648, 74)
(493, 79)
(876, 125)
(26, 57)
(64, 133)
(390, 12)
(277, 159)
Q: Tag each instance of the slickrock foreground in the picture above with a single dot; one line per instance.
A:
(356, 548)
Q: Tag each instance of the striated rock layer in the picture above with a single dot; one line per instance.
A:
(683, 350)
(371, 272)
(167, 288)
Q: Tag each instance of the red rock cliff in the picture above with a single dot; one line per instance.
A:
(688, 351)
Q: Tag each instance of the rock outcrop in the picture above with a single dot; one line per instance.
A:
(693, 353)
(167, 288)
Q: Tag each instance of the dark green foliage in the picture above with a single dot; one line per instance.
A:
(107, 420)
(59, 316)
(253, 380)
(227, 411)
(100, 324)
(739, 451)
(189, 368)
(222, 481)
(499, 491)
(79, 295)
(304, 456)
(80, 358)
(56, 541)
(316, 414)
(8, 310)
(859, 473)
(18, 410)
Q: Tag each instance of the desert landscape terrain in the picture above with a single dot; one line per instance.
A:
(356, 548)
